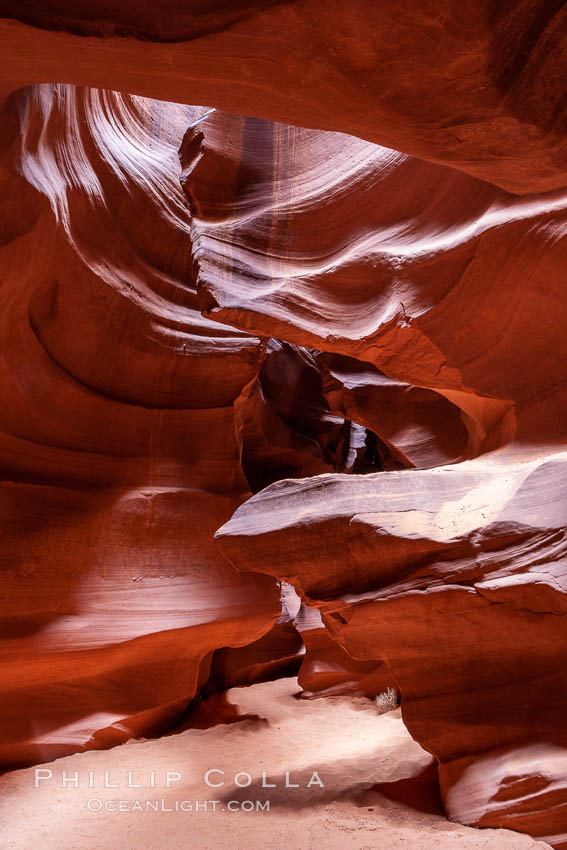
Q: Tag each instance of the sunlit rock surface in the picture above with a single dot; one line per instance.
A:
(456, 578)
(118, 442)
(434, 305)
(478, 86)
(362, 323)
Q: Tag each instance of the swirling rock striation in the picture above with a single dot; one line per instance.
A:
(433, 305)
(478, 87)
(132, 428)
(197, 304)
(385, 260)
(118, 441)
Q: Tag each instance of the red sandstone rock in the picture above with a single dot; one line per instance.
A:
(421, 428)
(118, 448)
(419, 320)
(275, 654)
(422, 313)
(475, 86)
(386, 261)
(119, 480)
(284, 426)
(327, 670)
(456, 578)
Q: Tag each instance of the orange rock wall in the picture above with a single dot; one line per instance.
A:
(349, 303)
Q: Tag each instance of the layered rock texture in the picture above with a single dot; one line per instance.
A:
(479, 87)
(118, 449)
(288, 396)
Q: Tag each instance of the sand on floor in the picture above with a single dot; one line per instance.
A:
(335, 750)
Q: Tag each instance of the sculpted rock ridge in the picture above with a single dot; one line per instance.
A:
(283, 375)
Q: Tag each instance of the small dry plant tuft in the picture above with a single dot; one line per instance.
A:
(388, 700)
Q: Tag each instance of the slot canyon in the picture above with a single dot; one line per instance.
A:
(283, 433)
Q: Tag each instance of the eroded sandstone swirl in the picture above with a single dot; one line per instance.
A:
(456, 578)
(132, 428)
(345, 361)
(454, 575)
(119, 451)
(435, 278)
(476, 86)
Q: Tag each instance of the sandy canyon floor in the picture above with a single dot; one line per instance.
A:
(340, 744)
